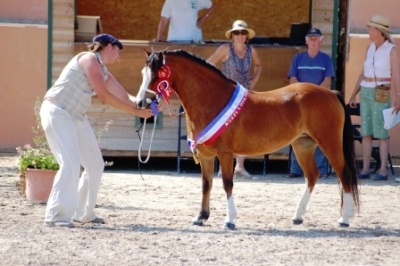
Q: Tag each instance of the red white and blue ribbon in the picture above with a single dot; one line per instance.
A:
(219, 124)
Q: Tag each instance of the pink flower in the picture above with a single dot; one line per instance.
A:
(28, 146)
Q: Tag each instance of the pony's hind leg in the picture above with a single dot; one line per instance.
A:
(207, 171)
(348, 210)
(304, 148)
(349, 184)
(348, 190)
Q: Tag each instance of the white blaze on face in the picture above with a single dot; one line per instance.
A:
(146, 75)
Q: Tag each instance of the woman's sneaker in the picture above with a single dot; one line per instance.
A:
(59, 224)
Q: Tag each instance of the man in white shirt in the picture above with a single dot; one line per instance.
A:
(184, 23)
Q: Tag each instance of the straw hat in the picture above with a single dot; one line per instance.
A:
(240, 25)
(379, 22)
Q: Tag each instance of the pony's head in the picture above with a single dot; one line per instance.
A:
(155, 81)
(158, 79)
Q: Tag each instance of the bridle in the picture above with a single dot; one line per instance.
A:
(162, 89)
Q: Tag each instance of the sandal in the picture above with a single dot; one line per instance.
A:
(379, 177)
(242, 174)
(363, 176)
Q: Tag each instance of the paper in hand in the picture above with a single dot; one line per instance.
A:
(390, 119)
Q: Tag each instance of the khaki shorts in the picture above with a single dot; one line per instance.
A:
(371, 114)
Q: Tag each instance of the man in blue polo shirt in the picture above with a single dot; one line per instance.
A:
(315, 67)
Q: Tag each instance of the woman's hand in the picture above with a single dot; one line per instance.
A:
(252, 84)
(353, 103)
(396, 106)
(144, 113)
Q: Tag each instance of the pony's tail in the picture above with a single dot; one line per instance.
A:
(351, 178)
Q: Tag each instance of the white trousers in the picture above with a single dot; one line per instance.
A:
(73, 144)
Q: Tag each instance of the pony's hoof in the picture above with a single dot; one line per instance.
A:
(229, 226)
(343, 225)
(197, 222)
(297, 221)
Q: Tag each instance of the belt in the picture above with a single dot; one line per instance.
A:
(377, 79)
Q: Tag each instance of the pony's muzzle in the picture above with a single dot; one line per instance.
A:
(142, 104)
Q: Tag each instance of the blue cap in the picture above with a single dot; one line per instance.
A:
(107, 38)
(314, 32)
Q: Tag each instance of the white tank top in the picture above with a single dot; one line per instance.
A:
(377, 64)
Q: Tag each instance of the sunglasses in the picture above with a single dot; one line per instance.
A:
(241, 32)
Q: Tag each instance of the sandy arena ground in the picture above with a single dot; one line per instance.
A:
(148, 223)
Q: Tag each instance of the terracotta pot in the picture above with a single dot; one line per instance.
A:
(38, 184)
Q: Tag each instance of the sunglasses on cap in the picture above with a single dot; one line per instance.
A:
(241, 32)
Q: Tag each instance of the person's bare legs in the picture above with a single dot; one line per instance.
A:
(383, 152)
(239, 168)
(366, 151)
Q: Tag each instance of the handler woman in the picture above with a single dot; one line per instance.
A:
(381, 67)
(238, 58)
(70, 136)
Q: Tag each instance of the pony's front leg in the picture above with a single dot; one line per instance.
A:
(207, 171)
(302, 206)
(227, 179)
(231, 213)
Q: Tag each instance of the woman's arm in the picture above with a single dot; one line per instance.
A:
(221, 54)
(94, 73)
(394, 64)
(352, 102)
(257, 68)
(356, 90)
(116, 88)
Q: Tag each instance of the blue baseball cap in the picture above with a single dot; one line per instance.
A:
(108, 38)
(314, 32)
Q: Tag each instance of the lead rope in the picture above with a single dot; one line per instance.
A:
(141, 140)
(140, 144)
(151, 138)
(152, 135)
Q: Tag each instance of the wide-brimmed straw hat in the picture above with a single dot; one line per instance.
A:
(240, 25)
(379, 22)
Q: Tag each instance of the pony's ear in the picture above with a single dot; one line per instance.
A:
(147, 53)
(161, 58)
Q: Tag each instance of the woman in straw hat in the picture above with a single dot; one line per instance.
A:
(381, 67)
(237, 58)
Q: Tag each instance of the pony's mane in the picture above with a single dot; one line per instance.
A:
(197, 59)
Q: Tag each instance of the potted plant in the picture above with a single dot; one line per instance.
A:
(37, 165)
